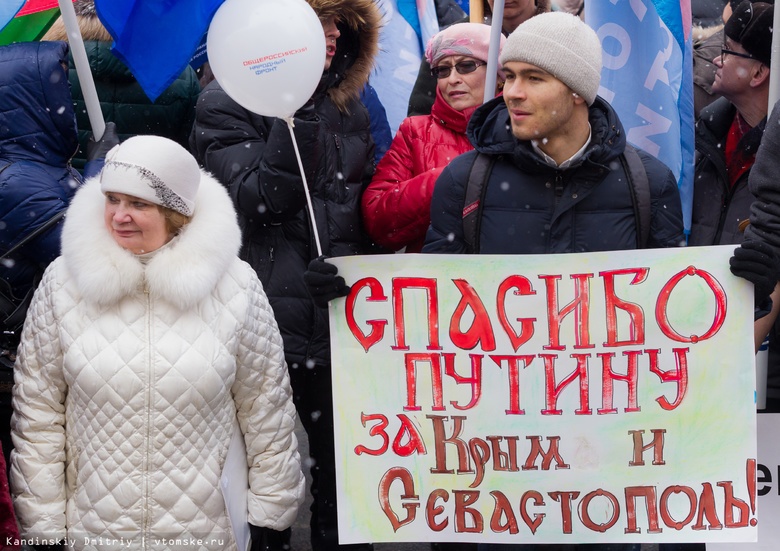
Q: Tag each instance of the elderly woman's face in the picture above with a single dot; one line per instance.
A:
(135, 224)
(461, 89)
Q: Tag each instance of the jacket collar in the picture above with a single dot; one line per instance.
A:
(490, 131)
(452, 119)
(182, 273)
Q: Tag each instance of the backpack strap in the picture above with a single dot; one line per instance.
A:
(476, 187)
(639, 185)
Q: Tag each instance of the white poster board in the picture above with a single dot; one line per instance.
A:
(588, 398)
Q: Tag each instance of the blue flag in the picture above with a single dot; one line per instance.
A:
(156, 38)
(648, 79)
(400, 53)
(421, 15)
(8, 10)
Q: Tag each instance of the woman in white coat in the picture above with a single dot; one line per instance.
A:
(146, 340)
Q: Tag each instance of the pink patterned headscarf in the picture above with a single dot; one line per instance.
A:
(467, 39)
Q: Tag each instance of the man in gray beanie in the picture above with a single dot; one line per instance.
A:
(550, 170)
(557, 175)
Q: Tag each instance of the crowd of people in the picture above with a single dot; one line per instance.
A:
(181, 305)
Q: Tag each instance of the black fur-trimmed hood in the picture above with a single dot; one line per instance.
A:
(359, 22)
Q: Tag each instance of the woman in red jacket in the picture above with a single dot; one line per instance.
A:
(396, 205)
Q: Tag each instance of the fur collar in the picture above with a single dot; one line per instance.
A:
(356, 49)
(183, 273)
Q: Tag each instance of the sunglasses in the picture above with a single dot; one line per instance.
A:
(462, 67)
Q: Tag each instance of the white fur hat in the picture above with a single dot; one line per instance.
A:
(154, 169)
(562, 45)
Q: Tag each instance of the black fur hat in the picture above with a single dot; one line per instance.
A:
(751, 26)
(735, 3)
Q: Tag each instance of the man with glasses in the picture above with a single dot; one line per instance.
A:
(728, 134)
(729, 130)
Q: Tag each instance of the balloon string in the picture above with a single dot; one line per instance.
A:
(290, 125)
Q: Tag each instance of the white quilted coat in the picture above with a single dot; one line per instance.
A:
(128, 381)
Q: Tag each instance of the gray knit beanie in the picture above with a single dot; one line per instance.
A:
(562, 45)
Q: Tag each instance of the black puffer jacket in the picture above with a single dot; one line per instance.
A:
(718, 208)
(765, 222)
(254, 157)
(532, 208)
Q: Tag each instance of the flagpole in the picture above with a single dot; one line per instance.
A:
(495, 40)
(774, 69)
(86, 81)
(476, 11)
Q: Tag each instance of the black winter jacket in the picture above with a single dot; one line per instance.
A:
(719, 208)
(765, 223)
(532, 208)
(254, 157)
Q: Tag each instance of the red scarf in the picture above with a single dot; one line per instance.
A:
(738, 160)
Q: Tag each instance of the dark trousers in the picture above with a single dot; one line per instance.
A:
(313, 399)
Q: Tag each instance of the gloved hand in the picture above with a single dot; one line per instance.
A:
(265, 539)
(323, 282)
(98, 149)
(756, 262)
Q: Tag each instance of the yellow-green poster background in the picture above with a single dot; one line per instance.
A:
(708, 438)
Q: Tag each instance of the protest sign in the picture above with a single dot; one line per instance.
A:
(589, 398)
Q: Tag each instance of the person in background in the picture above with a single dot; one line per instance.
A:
(254, 157)
(122, 99)
(396, 206)
(380, 128)
(37, 140)
(707, 13)
(515, 12)
(574, 7)
(707, 41)
(728, 134)
(753, 261)
(147, 344)
(729, 131)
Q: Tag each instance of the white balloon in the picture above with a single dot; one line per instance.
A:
(268, 55)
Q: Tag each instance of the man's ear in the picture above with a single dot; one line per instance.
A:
(760, 75)
(577, 98)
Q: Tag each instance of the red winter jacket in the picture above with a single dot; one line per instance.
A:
(397, 203)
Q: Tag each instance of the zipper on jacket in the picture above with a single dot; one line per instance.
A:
(340, 178)
(338, 144)
(558, 186)
(148, 406)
